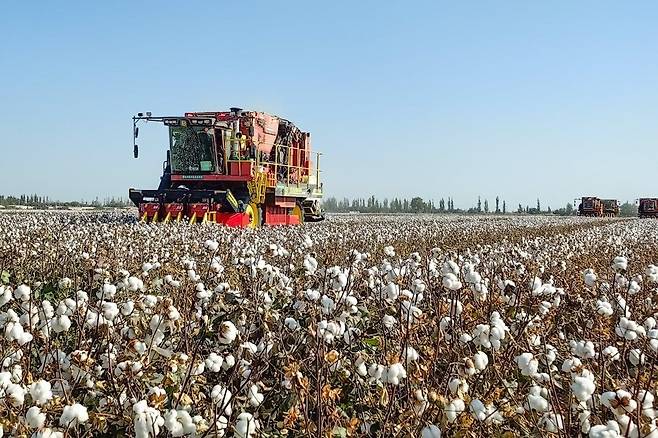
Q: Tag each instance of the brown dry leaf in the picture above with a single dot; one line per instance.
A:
(330, 394)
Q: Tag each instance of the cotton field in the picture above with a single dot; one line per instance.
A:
(420, 326)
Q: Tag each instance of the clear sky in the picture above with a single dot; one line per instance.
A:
(519, 99)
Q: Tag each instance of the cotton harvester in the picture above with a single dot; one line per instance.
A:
(590, 206)
(238, 168)
(647, 207)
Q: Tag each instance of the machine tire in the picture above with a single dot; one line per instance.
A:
(299, 212)
(255, 215)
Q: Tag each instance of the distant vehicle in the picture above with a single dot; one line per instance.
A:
(610, 207)
(590, 206)
(647, 207)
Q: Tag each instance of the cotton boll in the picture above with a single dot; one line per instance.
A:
(636, 357)
(396, 373)
(23, 293)
(107, 292)
(147, 420)
(227, 332)
(35, 418)
(453, 409)
(254, 396)
(5, 295)
(604, 308)
(179, 423)
(221, 396)
(620, 264)
(431, 431)
(611, 352)
(480, 360)
(583, 386)
(590, 278)
(608, 430)
(73, 415)
(536, 400)
(389, 321)
(41, 392)
(527, 364)
(211, 245)
(246, 425)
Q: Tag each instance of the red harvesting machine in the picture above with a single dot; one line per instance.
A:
(647, 207)
(592, 206)
(238, 168)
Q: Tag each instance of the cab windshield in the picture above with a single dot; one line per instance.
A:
(191, 149)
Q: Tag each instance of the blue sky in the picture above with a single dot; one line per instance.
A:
(518, 99)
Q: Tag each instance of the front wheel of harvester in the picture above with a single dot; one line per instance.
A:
(253, 211)
(298, 212)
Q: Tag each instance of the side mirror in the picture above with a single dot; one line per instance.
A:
(136, 151)
(136, 132)
(251, 131)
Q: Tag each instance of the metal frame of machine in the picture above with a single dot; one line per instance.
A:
(238, 168)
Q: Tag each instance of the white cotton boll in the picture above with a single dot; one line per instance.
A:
(246, 425)
(376, 372)
(15, 394)
(35, 418)
(410, 353)
(634, 288)
(22, 293)
(73, 415)
(646, 398)
(480, 360)
(147, 420)
(590, 278)
(211, 245)
(611, 352)
(110, 310)
(214, 362)
(328, 304)
(570, 364)
(431, 431)
(135, 284)
(392, 291)
(620, 263)
(360, 365)
(291, 324)
(179, 423)
(60, 323)
(389, 251)
(255, 397)
(127, 308)
(395, 373)
(389, 321)
(312, 295)
(527, 364)
(41, 392)
(453, 409)
(5, 295)
(465, 338)
(636, 357)
(478, 409)
(310, 264)
(227, 332)
(107, 292)
(608, 430)
(582, 349)
(451, 282)
(604, 308)
(536, 400)
(620, 402)
(583, 387)
(221, 396)
(458, 386)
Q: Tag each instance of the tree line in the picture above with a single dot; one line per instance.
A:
(417, 204)
(39, 201)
